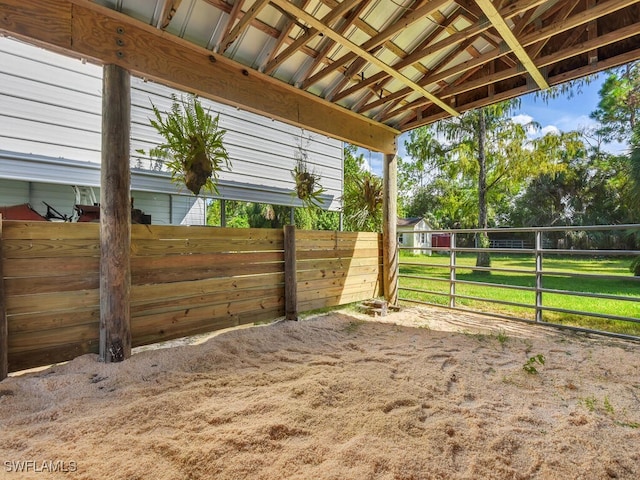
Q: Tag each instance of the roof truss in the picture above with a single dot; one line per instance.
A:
(359, 70)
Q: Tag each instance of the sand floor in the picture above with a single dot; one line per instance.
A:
(419, 394)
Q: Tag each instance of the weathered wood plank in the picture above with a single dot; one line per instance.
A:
(177, 275)
(150, 293)
(47, 248)
(337, 263)
(319, 274)
(52, 284)
(306, 235)
(16, 229)
(206, 325)
(174, 232)
(50, 302)
(186, 262)
(4, 329)
(29, 359)
(182, 318)
(331, 245)
(52, 320)
(290, 273)
(49, 339)
(315, 254)
(336, 300)
(115, 216)
(161, 305)
(329, 285)
(200, 246)
(36, 267)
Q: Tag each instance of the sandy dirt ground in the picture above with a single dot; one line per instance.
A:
(419, 394)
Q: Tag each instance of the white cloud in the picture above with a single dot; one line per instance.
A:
(522, 119)
(549, 129)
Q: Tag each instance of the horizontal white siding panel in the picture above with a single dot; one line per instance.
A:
(50, 109)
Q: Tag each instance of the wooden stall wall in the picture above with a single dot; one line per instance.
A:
(336, 268)
(185, 280)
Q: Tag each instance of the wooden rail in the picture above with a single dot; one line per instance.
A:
(184, 281)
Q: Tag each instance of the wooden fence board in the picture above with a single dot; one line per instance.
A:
(47, 248)
(185, 280)
(52, 284)
(336, 263)
(319, 274)
(45, 339)
(52, 320)
(60, 353)
(162, 305)
(149, 293)
(15, 229)
(316, 254)
(142, 277)
(158, 232)
(191, 246)
(37, 267)
(48, 302)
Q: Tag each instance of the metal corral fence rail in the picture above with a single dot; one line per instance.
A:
(524, 271)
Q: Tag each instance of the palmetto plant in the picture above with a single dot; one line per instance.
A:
(193, 148)
(362, 201)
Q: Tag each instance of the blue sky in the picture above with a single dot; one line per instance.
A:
(561, 114)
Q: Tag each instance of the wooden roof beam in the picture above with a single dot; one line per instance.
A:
(505, 32)
(612, 62)
(361, 52)
(611, 37)
(405, 21)
(328, 44)
(327, 21)
(244, 22)
(418, 54)
(84, 29)
(380, 76)
(236, 10)
(284, 34)
(167, 11)
(527, 40)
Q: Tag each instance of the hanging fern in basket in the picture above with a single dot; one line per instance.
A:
(308, 187)
(193, 148)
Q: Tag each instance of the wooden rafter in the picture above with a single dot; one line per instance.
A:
(360, 51)
(280, 41)
(406, 20)
(427, 48)
(329, 43)
(533, 38)
(541, 62)
(167, 12)
(505, 32)
(87, 30)
(244, 22)
(380, 77)
(327, 21)
(236, 10)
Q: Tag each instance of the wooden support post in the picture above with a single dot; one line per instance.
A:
(4, 327)
(290, 277)
(389, 223)
(115, 216)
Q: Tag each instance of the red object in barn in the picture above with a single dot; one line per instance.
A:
(441, 240)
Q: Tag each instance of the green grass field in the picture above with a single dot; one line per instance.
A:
(437, 266)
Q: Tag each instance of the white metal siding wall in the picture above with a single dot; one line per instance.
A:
(13, 193)
(262, 151)
(49, 104)
(50, 108)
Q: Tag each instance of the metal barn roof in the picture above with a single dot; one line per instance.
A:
(389, 65)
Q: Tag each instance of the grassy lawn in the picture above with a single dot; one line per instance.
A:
(437, 266)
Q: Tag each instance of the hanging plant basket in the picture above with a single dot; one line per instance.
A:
(193, 149)
(308, 187)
